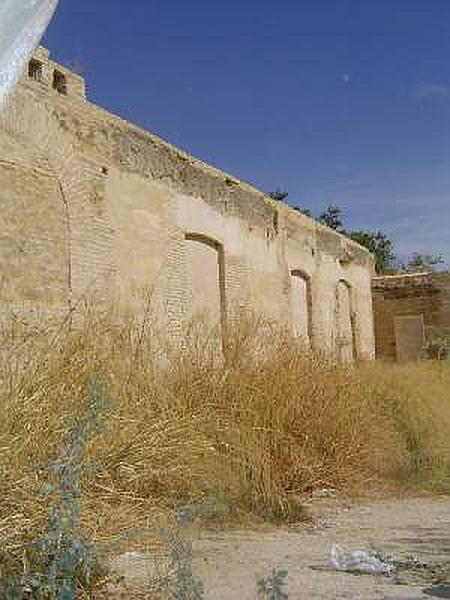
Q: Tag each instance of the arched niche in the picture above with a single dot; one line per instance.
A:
(301, 306)
(206, 275)
(51, 202)
(34, 237)
(344, 322)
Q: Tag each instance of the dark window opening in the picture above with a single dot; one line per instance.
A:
(60, 82)
(35, 70)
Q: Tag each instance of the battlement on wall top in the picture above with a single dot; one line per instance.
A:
(50, 77)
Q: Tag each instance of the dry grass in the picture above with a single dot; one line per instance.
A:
(255, 434)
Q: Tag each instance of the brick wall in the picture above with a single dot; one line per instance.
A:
(116, 204)
(425, 295)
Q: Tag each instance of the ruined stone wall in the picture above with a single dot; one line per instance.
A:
(410, 310)
(94, 209)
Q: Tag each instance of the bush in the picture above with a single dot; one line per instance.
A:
(61, 563)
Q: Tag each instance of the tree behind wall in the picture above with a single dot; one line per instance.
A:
(279, 195)
(376, 242)
(422, 262)
(332, 217)
(381, 247)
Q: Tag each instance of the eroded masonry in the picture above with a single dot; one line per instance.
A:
(412, 313)
(96, 210)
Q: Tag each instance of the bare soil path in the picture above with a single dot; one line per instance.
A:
(230, 563)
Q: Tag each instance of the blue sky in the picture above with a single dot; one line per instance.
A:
(336, 101)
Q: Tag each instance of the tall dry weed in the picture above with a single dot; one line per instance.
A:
(255, 432)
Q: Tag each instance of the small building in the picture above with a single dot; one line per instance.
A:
(96, 210)
(412, 314)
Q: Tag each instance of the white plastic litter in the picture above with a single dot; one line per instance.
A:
(22, 25)
(361, 561)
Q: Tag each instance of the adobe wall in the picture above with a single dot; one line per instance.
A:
(94, 207)
(399, 300)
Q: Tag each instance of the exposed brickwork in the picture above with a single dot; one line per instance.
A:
(237, 286)
(109, 206)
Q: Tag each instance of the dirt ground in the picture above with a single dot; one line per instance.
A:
(416, 532)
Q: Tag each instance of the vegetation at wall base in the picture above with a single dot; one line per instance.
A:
(60, 564)
(250, 437)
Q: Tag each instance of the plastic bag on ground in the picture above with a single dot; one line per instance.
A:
(22, 25)
(361, 561)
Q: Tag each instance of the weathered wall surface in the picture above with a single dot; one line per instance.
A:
(94, 207)
(410, 310)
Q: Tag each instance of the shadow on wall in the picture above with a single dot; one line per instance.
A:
(345, 323)
(301, 306)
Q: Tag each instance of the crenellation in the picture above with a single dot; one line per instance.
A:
(48, 78)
